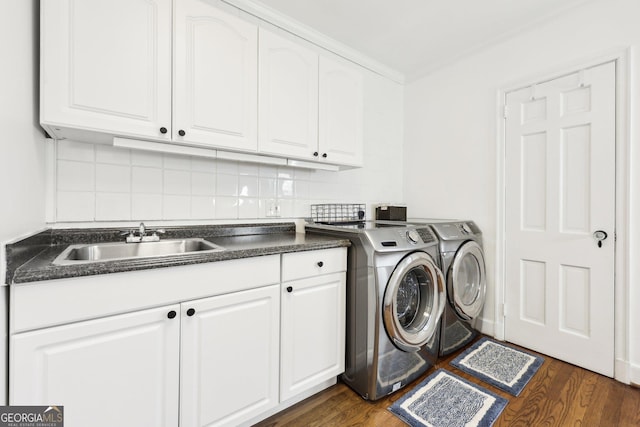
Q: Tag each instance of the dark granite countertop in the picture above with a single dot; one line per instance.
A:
(31, 259)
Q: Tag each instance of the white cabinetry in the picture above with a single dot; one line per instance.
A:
(230, 364)
(311, 106)
(341, 113)
(288, 115)
(197, 345)
(106, 67)
(186, 72)
(313, 319)
(121, 370)
(215, 78)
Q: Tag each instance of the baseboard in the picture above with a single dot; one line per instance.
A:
(485, 326)
(622, 371)
(634, 375)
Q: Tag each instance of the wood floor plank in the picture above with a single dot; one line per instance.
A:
(558, 395)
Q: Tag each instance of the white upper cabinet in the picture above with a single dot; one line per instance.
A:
(106, 66)
(288, 114)
(341, 113)
(188, 73)
(215, 77)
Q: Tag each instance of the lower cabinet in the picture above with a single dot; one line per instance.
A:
(116, 371)
(230, 364)
(224, 360)
(313, 332)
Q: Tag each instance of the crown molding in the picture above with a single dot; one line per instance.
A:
(284, 22)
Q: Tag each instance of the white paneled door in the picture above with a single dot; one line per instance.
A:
(560, 218)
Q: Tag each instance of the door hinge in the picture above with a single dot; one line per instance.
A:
(505, 111)
(503, 310)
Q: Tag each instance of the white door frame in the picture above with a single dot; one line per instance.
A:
(621, 335)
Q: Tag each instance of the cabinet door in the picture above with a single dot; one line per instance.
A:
(215, 77)
(106, 66)
(288, 113)
(230, 356)
(313, 332)
(341, 113)
(120, 370)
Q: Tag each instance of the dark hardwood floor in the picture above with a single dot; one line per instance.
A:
(559, 394)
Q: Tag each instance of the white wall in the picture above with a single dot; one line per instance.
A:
(22, 142)
(451, 131)
(100, 183)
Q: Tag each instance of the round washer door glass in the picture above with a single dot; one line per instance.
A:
(466, 282)
(413, 301)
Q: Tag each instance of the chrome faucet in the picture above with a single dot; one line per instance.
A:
(140, 235)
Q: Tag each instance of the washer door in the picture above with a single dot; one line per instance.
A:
(414, 301)
(466, 281)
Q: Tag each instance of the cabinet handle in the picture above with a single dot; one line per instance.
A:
(315, 154)
(191, 312)
(163, 130)
(289, 288)
(171, 314)
(320, 263)
(181, 132)
(324, 155)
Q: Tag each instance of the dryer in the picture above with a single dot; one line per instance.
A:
(395, 299)
(462, 260)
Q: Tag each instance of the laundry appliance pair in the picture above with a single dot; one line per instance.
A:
(397, 297)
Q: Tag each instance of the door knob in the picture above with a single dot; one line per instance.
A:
(600, 235)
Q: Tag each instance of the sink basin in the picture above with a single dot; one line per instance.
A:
(118, 251)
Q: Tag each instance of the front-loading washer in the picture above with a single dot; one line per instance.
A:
(463, 264)
(395, 299)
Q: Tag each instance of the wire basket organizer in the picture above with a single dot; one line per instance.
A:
(337, 212)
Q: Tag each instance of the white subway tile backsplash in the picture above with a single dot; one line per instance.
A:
(248, 208)
(248, 186)
(248, 169)
(285, 188)
(176, 207)
(268, 188)
(268, 171)
(145, 207)
(227, 166)
(75, 176)
(203, 207)
(285, 172)
(286, 208)
(301, 189)
(75, 206)
(172, 161)
(113, 206)
(113, 178)
(203, 184)
(226, 207)
(226, 185)
(177, 182)
(72, 150)
(146, 158)
(112, 155)
(201, 164)
(146, 180)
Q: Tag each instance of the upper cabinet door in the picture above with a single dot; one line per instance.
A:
(215, 77)
(341, 113)
(106, 66)
(288, 113)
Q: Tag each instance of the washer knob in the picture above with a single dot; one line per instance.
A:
(413, 236)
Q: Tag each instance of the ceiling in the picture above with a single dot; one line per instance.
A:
(415, 37)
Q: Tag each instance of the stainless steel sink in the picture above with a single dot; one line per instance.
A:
(75, 254)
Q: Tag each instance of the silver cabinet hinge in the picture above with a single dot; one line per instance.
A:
(505, 111)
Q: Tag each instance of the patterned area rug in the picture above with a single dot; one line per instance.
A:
(498, 364)
(446, 400)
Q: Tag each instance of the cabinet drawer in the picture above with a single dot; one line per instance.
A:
(299, 265)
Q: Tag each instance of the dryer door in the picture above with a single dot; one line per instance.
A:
(414, 301)
(466, 281)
